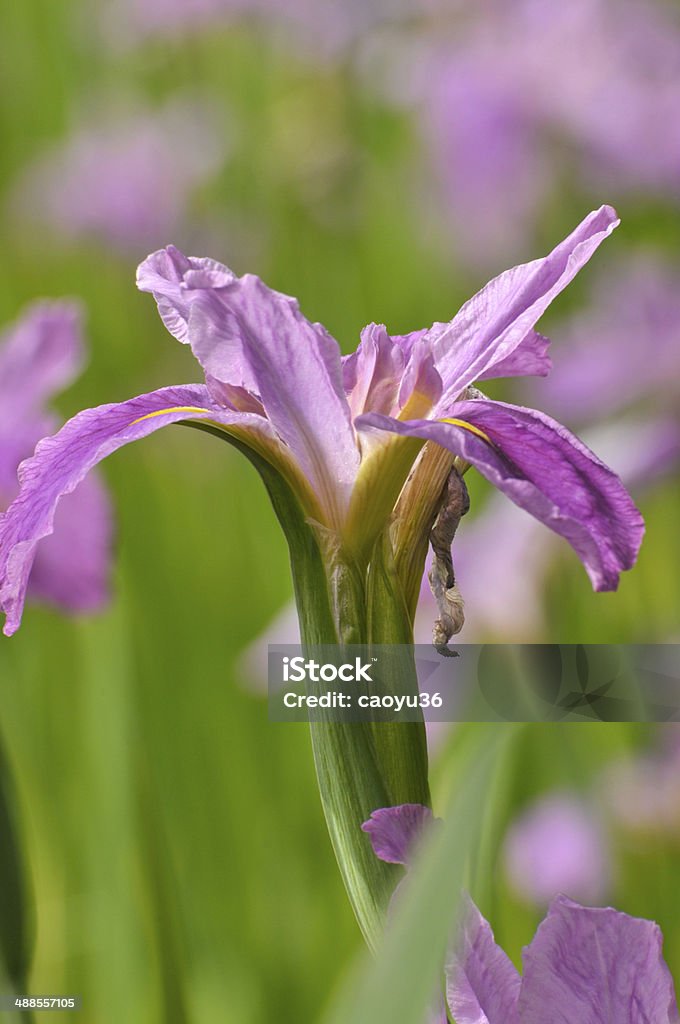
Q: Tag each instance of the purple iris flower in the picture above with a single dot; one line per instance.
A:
(40, 354)
(586, 965)
(340, 432)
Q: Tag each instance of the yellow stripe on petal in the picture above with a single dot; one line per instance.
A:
(172, 408)
(468, 426)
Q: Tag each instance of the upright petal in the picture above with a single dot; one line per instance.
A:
(421, 385)
(596, 965)
(394, 831)
(529, 359)
(499, 320)
(373, 372)
(545, 470)
(245, 334)
(40, 354)
(61, 462)
(177, 282)
(482, 986)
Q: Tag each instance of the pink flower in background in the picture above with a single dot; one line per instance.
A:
(643, 792)
(557, 846)
(40, 355)
(624, 347)
(319, 28)
(124, 180)
(518, 102)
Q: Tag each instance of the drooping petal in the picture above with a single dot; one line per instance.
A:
(394, 831)
(596, 965)
(245, 334)
(61, 462)
(482, 986)
(41, 353)
(499, 320)
(545, 470)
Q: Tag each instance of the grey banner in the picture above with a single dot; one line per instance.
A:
(476, 683)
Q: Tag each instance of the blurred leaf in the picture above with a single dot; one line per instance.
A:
(16, 913)
(399, 986)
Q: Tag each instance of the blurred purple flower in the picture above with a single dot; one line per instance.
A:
(278, 384)
(624, 347)
(40, 354)
(643, 792)
(124, 180)
(584, 965)
(557, 846)
(320, 28)
(497, 124)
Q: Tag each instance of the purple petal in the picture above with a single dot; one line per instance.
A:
(548, 472)
(245, 334)
(421, 383)
(40, 354)
(529, 359)
(373, 372)
(393, 831)
(62, 461)
(595, 965)
(163, 274)
(482, 986)
(497, 321)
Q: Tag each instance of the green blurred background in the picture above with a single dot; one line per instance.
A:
(173, 851)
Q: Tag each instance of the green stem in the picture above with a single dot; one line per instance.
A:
(360, 766)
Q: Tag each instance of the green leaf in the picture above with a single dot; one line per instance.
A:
(16, 917)
(398, 987)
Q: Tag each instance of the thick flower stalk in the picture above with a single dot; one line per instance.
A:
(357, 454)
(585, 965)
